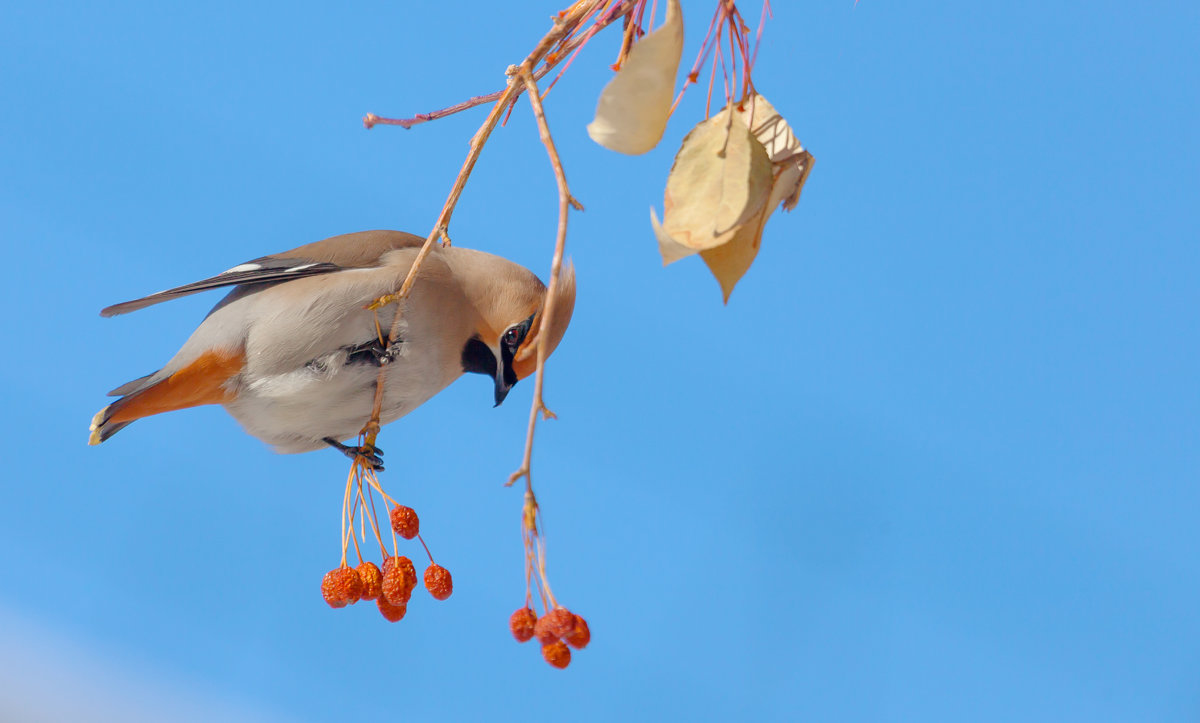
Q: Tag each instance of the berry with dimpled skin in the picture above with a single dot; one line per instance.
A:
(372, 580)
(341, 587)
(393, 613)
(554, 625)
(438, 581)
(405, 521)
(557, 654)
(399, 579)
(561, 621)
(580, 636)
(521, 624)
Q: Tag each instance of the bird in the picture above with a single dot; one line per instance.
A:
(293, 353)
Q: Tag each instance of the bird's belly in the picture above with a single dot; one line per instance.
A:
(295, 411)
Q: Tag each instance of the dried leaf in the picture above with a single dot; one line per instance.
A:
(670, 249)
(720, 181)
(719, 197)
(632, 112)
(792, 161)
(730, 261)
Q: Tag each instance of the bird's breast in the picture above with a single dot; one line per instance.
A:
(332, 395)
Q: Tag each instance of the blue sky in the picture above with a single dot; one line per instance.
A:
(936, 460)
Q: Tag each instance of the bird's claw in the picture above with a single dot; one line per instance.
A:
(367, 454)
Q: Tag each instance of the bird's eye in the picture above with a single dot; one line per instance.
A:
(512, 336)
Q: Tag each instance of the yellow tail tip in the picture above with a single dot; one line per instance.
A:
(94, 428)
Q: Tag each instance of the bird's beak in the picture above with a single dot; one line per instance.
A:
(505, 377)
(502, 387)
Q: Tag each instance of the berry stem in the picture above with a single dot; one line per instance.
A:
(346, 510)
(374, 482)
(422, 539)
(388, 502)
(375, 522)
(354, 508)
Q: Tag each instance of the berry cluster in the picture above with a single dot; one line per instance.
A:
(559, 629)
(392, 587)
(391, 584)
(555, 631)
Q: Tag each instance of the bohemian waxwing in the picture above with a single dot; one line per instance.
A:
(294, 356)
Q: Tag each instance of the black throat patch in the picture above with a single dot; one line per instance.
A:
(477, 358)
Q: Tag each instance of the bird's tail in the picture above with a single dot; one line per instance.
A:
(102, 427)
(203, 381)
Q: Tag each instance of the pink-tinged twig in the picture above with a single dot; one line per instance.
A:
(535, 552)
(564, 25)
(549, 60)
(565, 202)
(693, 75)
(762, 21)
(727, 27)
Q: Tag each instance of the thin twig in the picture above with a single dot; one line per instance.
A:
(563, 27)
(693, 75)
(565, 202)
(618, 11)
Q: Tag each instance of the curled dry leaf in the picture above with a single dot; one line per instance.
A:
(719, 183)
(775, 175)
(792, 162)
(632, 112)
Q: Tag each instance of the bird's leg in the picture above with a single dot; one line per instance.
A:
(391, 352)
(375, 352)
(371, 455)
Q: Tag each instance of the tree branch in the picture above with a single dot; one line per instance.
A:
(565, 202)
(564, 25)
(618, 11)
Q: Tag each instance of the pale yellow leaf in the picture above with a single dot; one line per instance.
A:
(720, 180)
(670, 249)
(730, 261)
(792, 161)
(730, 174)
(632, 112)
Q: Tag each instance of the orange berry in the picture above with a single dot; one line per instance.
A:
(557, 654)
(405, 522)
(393, 613)
(554, 625)
(399, 579)
(542, 630)
(330, 591)
(372, 580)
(438, 582)
(341, 586)
(521, 624)
(580, 636)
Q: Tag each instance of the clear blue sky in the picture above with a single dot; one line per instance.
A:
(938, 458)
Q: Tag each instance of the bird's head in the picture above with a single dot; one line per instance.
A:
(505, 345)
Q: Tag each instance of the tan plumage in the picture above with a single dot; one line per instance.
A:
(293, 355)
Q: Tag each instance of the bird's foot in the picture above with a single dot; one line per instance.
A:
(375, 352)
(369, 454)
(389, 353)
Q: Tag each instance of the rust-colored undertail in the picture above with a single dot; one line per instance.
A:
(201, 382)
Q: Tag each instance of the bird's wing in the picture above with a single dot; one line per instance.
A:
(354, 250)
